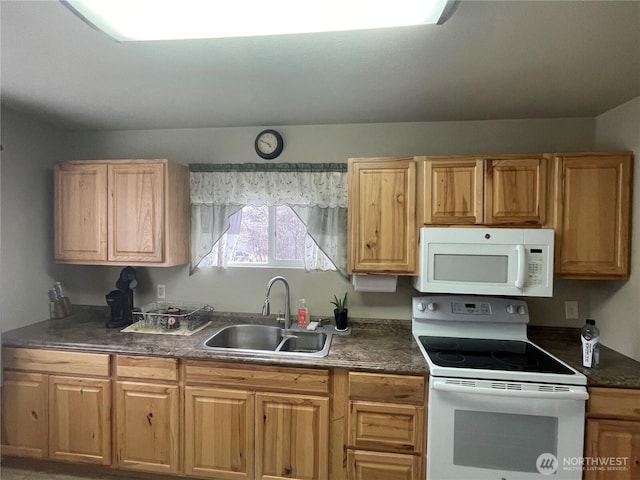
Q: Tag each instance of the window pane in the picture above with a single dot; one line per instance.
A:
(289, 235)
(252, 244)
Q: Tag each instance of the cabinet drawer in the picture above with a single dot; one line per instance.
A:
(386, 426)
(386, 388)
(56, 361)
(614, 402)
(363, 465)
(150, 368)
(258, 377)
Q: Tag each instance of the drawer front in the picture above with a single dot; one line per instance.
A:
(150, 368)
(56, 361)
(258, 377)
(386, 388)
(614, 403)
(386, 426)
(363, 465)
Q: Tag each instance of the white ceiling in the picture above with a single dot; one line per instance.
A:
(490, 60)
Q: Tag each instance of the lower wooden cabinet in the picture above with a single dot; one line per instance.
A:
(80, 419)
(612, 446)
(219, 433)
(292, 433)
(49, 415)
(254, 422)
(147, 423)
(386, 427)
(25, 411)
(147, 414)
(363, 465)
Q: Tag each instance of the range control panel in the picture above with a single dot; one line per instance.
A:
(467, 308)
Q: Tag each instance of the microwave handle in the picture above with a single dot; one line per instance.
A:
(521, 273)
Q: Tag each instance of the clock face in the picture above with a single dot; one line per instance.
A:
(269, 144)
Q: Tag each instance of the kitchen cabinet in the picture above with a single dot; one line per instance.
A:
(613, 434)
(496, 190)
(382, 215)
(284, 412)
(386, 427)
(592, 199)
(121, 212)
(24, 414)
(65, 400)
(219, 433)
(147, 414)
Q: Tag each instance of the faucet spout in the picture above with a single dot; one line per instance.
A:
(287, 307)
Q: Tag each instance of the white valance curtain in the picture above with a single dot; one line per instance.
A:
(317, 193)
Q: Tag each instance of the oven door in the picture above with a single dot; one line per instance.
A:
(497, 430)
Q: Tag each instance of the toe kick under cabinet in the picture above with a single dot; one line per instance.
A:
(386, 428)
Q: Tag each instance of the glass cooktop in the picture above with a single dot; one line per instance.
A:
(486, 354)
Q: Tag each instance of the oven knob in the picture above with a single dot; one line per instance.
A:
(432, 307)
(511, 309)
(422, 306)
(522, 310)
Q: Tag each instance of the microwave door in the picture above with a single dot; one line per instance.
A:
(476, 269)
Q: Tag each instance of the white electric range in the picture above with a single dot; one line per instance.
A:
(500, 407)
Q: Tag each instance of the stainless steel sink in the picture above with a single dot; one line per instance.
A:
(269, 340)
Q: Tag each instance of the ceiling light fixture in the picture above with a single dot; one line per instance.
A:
(130, 20)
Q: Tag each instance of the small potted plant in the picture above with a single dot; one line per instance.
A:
(340, 312)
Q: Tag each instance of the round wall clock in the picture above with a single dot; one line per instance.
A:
(269, 144)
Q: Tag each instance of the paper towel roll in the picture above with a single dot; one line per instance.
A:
(374, 283)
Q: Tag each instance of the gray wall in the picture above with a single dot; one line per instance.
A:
(27, 239)
(615, 305)
(29, 152)
(242, 290)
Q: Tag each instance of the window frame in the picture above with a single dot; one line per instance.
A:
(271, 245)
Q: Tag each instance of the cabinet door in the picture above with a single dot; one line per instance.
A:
(136, 211)
(515, 191)
(292, 438)
(80, 420)
(24, 414)
(617, 441)
(382, 212)
(219, 433)
(80, 211)
(362, 465)
(147, 423)
(593, 194)
(451, 189)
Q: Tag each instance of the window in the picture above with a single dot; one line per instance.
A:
(269, 215)
(266, 236)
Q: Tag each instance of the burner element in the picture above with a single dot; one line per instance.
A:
(442, 344)
(516, 359)
(450, 357)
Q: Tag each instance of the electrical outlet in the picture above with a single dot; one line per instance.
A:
(161, 291)
(571, 310)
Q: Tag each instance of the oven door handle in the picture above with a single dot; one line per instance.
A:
(580, 394)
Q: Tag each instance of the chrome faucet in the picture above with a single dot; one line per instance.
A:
(287, 308)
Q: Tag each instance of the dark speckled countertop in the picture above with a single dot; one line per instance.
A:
(373, 345)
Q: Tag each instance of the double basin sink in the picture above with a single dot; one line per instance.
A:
(264, 339)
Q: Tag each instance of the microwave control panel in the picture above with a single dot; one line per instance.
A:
(537, 262)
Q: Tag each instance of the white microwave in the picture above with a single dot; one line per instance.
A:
(486, 261)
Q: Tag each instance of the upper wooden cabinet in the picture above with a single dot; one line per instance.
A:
(592, 215)
(121, 212)
(502, 190)
(382, 215)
